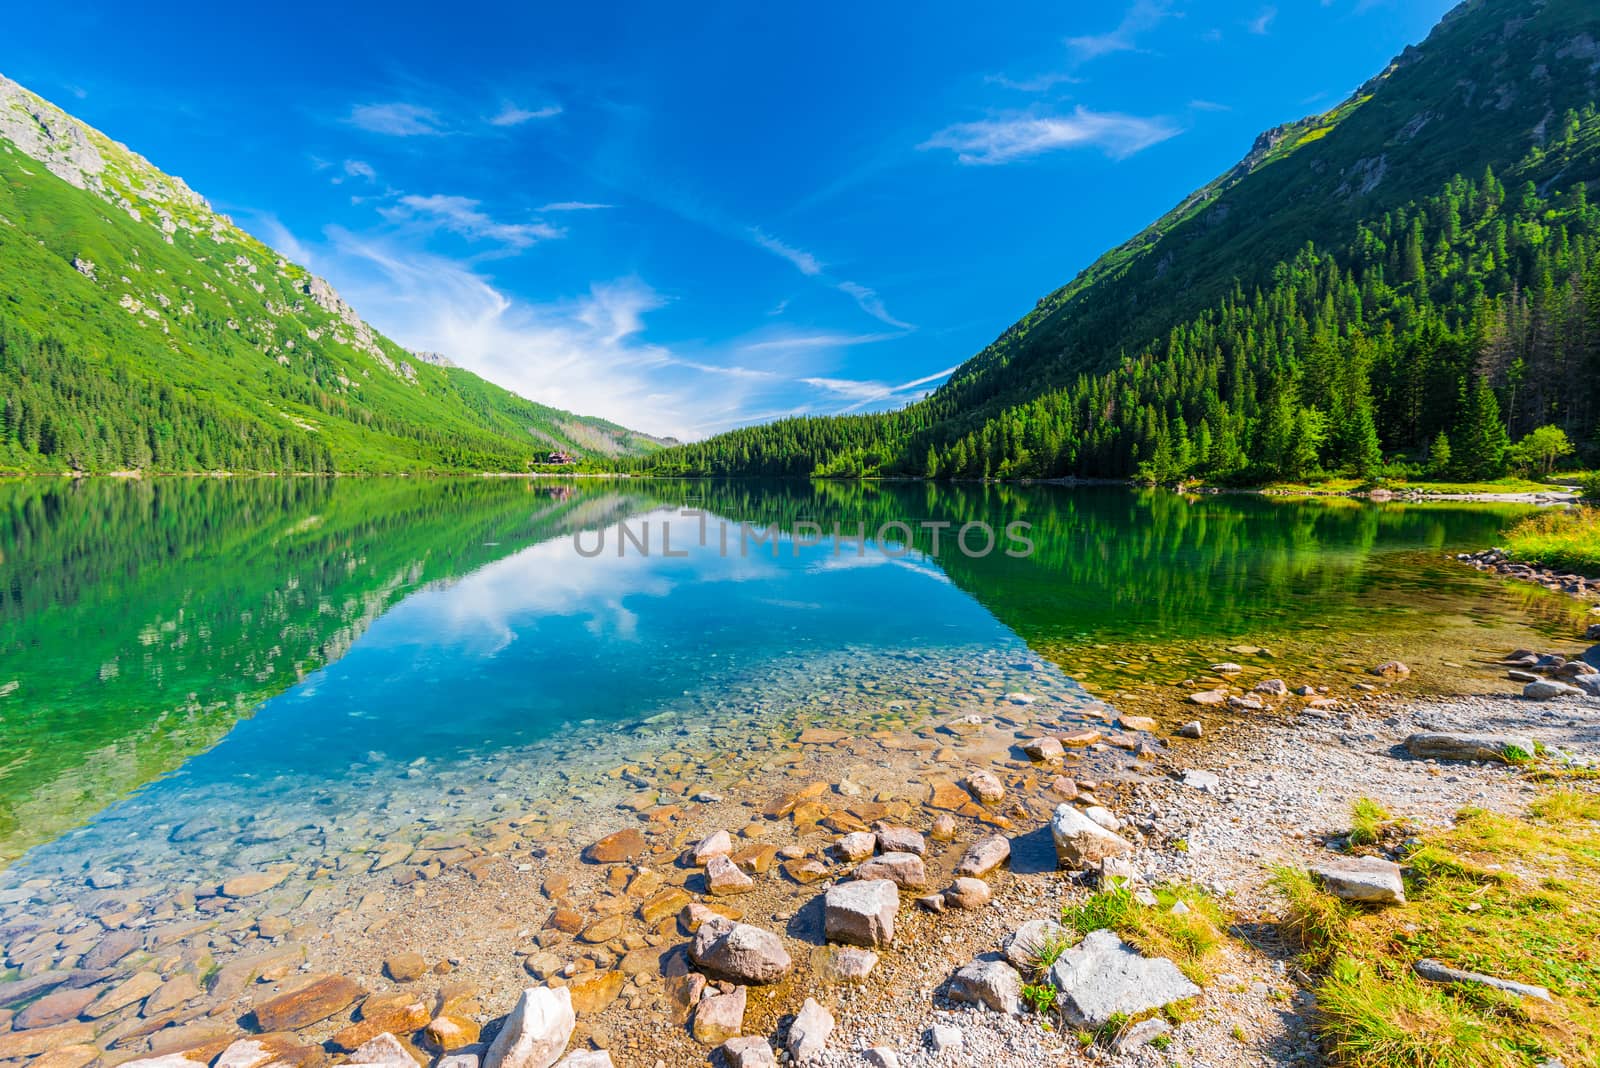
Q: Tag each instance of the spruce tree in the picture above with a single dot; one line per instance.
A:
(1480, 439)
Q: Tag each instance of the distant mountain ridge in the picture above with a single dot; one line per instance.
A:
(1329, 302)
(141, 329)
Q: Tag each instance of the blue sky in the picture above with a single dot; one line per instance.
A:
(689, 218)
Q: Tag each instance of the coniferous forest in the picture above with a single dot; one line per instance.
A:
(1439, 334)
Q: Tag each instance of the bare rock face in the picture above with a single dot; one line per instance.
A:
(1371, 880)
(1080, 842)
(905, 870)
(809, 1033)
(861, 913)
(985, 855)
(739, 951)
(1103, 977)
(536, 1032)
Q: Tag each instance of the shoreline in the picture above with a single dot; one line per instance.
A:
(520, 900)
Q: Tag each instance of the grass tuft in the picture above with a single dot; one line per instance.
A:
(1367, 821)
(1566, 540)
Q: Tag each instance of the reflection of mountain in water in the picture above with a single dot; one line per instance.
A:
(141, 620)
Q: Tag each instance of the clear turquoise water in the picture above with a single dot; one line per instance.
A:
(275, 656)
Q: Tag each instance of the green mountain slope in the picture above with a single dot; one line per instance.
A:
(1331, 300)
(140, 329)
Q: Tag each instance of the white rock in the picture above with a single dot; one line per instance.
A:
(905, 870)
(882, 1057)
(723, 877)
(536, 1032)
(586, 1058)
(809, 1032)
(719, 844)
(383, 1051)
(739, 951)
(857, 845)
(1104, 817)
(748, 1051)
(944, 1038)
(1103, 976)
(985, 787)
(901, 840)
(1080, 842)
(985, 855)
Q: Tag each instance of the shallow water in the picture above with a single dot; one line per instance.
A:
(203, 676)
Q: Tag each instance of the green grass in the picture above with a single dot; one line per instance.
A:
(1368, 820)
(1503, 895)
(1190, 938)
(1566, 540)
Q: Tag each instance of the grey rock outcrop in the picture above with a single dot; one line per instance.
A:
(1103, 976)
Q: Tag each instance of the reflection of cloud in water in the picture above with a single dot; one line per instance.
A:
(478, 613)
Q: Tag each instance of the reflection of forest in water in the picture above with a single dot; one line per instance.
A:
(141, 620)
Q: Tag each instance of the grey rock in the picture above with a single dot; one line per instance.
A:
(1196, 779)
(739, 951)
(1545, 689)
(1047, 749)
(901, 840)
(458, 1060)
(985, 855)
(1437, 972)
(1080, 842)
(536, 1032)
(1139, 1035)
(861, 913)
(1275, 687)
(1025, 944)
(993, 984)
(882, 1057)
(1443, 746)
(748, 1051)
(843, 964)
(1192, 729)
(809, 1032)
(967, 893)
(1103, 976)
(905, 870)
(1589, 684)
(1370, 880)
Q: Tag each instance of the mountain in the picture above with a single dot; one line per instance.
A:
(139, 329)
(1332, 302)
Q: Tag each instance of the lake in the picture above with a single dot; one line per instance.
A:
(199, 639)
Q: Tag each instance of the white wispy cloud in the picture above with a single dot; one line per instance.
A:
(1142, 16)
(1003, 140)
(803, 261)
(464, 216)
(1263, 21)
(815, 341)
(573, 205)
(1208, 105)
(864, 393)
(866, 298)
(396, 119)
(511, 115)
(356, 168)
(1037, 84)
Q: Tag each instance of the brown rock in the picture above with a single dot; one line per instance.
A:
(446, 1033)
(944, 828)
(805, 870)
(130, 991)
(253, 883)
(985, 855)
(67, 1057)
(394, 1014)
(54, 1008)
(174, 993)
(312, 1003)
(21, 1044)
(602, 930)
(615, 848)
(565, 920)
(905, 870)
(755, 859)
(719, 1017)
(663, 904)
(1081, 738)
(405, 967)
(593, 991)
(948, 795)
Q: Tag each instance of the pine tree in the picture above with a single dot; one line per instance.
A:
(1439, 456)
(1480, 439)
